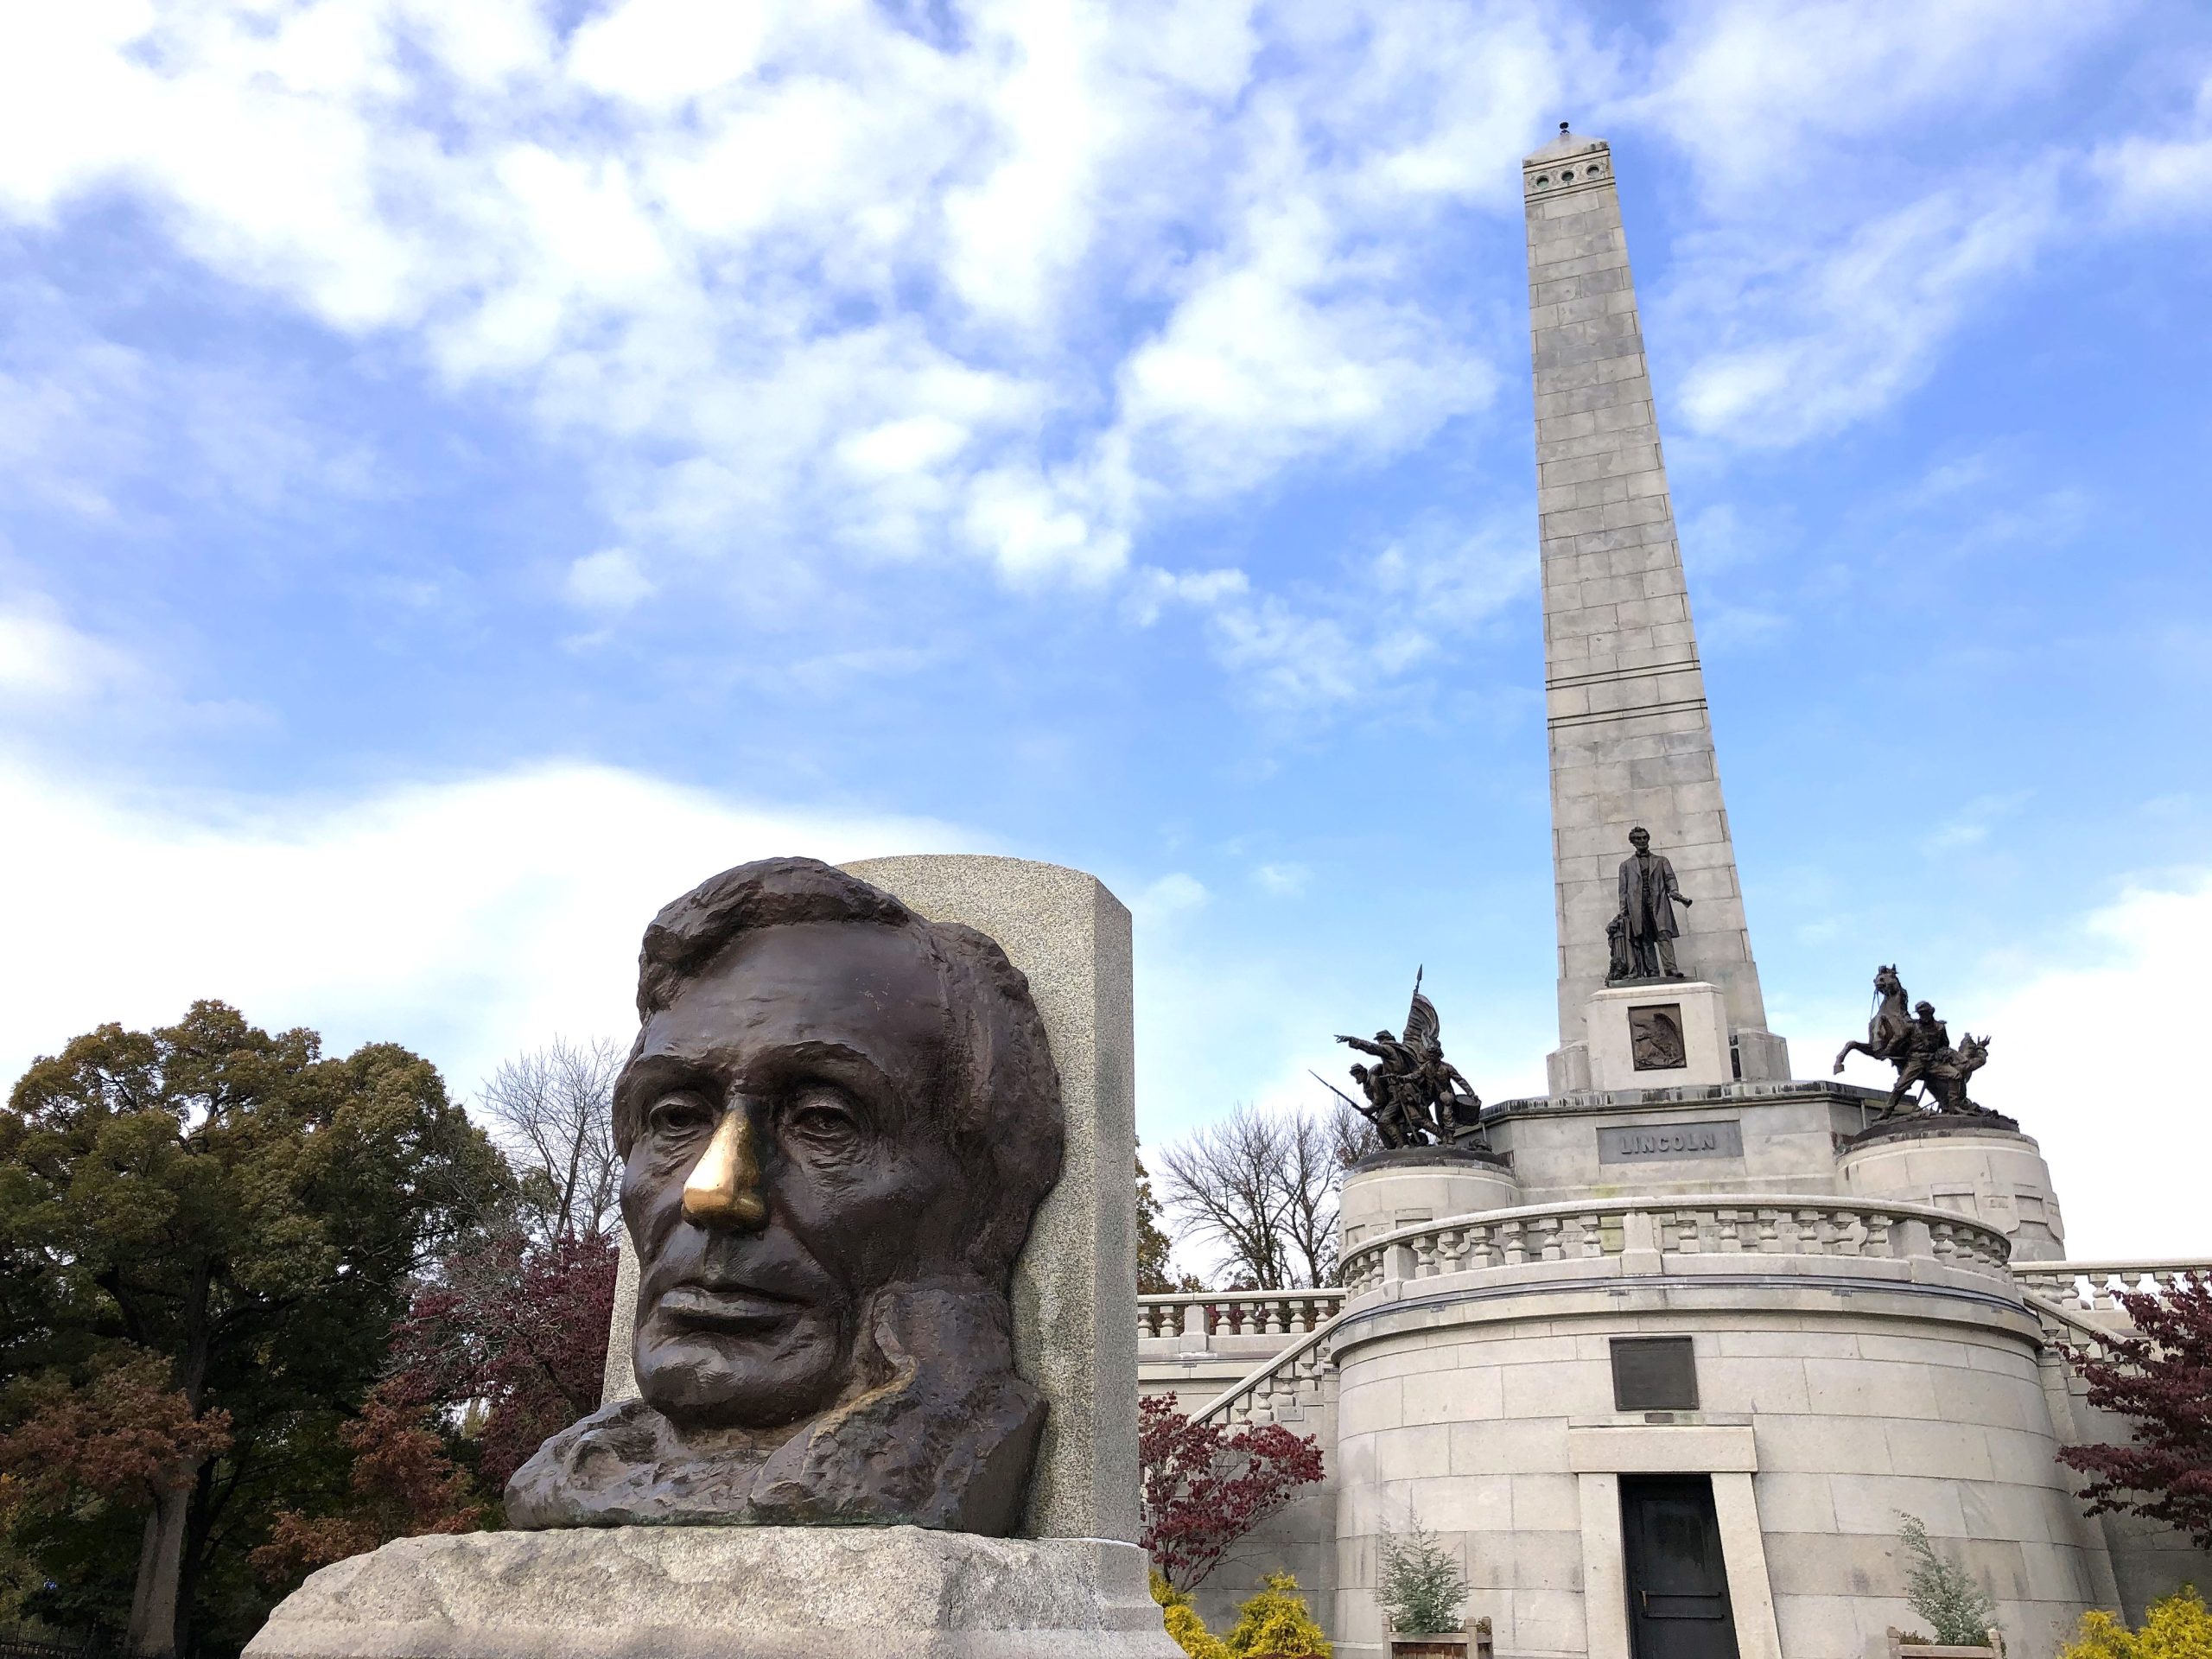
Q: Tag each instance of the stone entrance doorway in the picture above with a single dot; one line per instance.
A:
(1677, 1583)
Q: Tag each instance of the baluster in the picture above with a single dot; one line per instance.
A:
(1276, 1323)
(1425, 1256)
(1877, 1234)
(1731, 1229)
(1686, 1231)
(1549, 1229)
(1810, 1239)
(1451, 1245)
(1593, 1243)
(1482, 1245)
(1770, 1231)
(1514, 1243)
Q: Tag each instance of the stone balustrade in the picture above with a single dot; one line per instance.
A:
(2096, 1286)
(1651, 1235)
(1291, 1388)
(1237, 1312)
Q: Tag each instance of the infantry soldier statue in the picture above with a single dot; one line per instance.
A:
(1414, 1095)
(1644, 947)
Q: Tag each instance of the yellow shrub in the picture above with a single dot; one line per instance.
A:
(1275, 1621)
(2179, 1627)
(1184, 1624)
(1191, 1636)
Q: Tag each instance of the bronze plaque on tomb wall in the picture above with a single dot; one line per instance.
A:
(1640, 1143)
(1654, 1374)
(1655, 1037)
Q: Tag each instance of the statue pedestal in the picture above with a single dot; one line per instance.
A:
(1978, 1165)
(724, 1593)
(1634, 1028)
(1409, 1186)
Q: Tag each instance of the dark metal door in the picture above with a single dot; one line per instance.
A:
(1677, 1585)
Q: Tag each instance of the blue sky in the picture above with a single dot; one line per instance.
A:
(467, 473)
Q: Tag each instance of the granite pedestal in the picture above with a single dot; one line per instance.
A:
(1684, 1020)
(725, 1593)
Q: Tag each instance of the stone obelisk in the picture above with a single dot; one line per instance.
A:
(1632, 741)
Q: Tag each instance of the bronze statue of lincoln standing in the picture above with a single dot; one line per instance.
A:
(1648, 895)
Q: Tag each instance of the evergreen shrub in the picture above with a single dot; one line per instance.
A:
(1422, 1591)
(1943, 1593)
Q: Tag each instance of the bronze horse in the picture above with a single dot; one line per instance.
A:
(1885, 1031)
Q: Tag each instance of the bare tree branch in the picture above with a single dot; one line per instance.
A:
(1310, 1173)
(1224, 1184)
(551, 1111)
(1352, 1133)
(1262, 1187)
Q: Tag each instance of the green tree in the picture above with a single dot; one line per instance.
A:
(229, 1223)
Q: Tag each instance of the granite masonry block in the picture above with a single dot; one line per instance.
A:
(1568, 445)
(723, 1592)
(1075, 1284)
(1578, 253)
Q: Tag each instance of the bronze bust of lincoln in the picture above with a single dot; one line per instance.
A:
(837, 1121)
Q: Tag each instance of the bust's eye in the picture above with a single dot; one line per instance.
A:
(678, 1113)
(821, 1118)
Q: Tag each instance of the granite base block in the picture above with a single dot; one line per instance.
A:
(725, 1593)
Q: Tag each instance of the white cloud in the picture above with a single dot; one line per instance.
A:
(465, 919)
(2092, 1056)
(84, 421)
(1860, 198)
(43, 659)
(1973, 823)
(1170, 896)
(813, 280)
(2161, 176)
(1390, 614)
(1822, 332)
(1777, 96)
(2088, 1052)
(817, 273)
(1152, 590)
(663, 52)
(609, 580)
(1285, 881)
